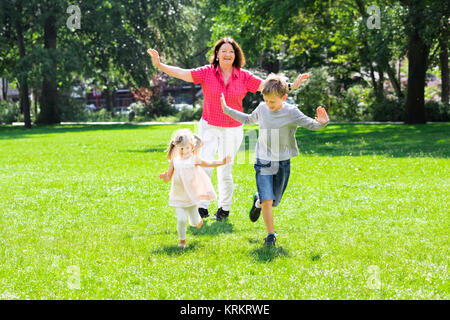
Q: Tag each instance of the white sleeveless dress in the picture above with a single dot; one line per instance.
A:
(190, 184)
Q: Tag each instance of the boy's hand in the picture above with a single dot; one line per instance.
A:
(164, 176)
(300, 79)
(155, 57)
(223, 102)
(322, 116)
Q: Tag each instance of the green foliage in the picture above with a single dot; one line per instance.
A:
(190, 114)
(316, 92)
(388, 110)
(437, 111)
(9, 111)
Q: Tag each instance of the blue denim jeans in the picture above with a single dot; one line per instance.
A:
(271, 179)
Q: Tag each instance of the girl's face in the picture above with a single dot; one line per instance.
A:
(186, 150)
(226, 55)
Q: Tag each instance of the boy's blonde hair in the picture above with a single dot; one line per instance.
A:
(180, 138)
(275, 84)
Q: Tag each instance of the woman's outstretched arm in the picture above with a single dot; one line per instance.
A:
(183, 74)
(295, 85)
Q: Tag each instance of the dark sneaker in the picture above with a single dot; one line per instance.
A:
(254, 211)
(203, 213)
(270, 240)
(221, 214)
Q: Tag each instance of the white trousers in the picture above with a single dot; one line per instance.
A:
(224, 141)
(183, 213)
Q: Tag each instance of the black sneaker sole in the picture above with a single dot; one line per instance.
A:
(254, 211)
(269, 243)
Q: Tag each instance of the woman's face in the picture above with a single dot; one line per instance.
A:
(226, 55)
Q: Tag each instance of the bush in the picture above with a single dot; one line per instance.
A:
(9, 112)
(315, 92)
(354, 105)
(388, 110)
(437, 111)
(190, 114)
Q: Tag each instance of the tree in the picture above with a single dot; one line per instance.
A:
(424, 20)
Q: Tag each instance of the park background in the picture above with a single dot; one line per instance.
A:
(368, 61)
(83, 215)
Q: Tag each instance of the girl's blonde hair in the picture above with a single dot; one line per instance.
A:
(180, 139)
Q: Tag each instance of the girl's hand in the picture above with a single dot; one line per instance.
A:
(300, 79)
(223, 102)
(155, 57)
(322, 116)
(226, 159)
(164, 176)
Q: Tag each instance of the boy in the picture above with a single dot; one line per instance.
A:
(278, 122)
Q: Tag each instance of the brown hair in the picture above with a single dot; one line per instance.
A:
(239, 59)
(198, 144)
(275, 84)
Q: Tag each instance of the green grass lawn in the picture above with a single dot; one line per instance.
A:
(84, 216)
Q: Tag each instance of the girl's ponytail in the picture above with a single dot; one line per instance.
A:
(170, 149)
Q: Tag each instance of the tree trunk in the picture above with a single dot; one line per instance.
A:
(380, 84)
(193, 93)
(5, 85)
(22, 77)
(49, 96)
(395, 83)
(417, 67)
(108, 100)
(443, 57)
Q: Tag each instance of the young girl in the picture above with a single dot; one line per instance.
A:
(190, 184)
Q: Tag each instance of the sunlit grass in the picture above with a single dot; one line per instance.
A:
(365, 216)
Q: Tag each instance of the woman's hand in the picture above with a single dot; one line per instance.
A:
(223, 102)
(322, 116)
(155, 57)
(300, 79)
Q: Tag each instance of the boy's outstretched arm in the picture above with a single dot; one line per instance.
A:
(322, 116)
(304, 121)
(237, 115)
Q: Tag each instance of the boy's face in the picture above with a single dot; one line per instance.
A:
(274, 101)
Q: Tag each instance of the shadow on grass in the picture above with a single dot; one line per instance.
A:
(174, 250)
(392, 140)
(213, 228)
(268, 253)
(161, 149)
(15, 132)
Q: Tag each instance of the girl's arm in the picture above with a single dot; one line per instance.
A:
(167, 176)
(212, 163)
(183, 74)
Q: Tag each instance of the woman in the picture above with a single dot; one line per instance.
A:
(220, 133)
